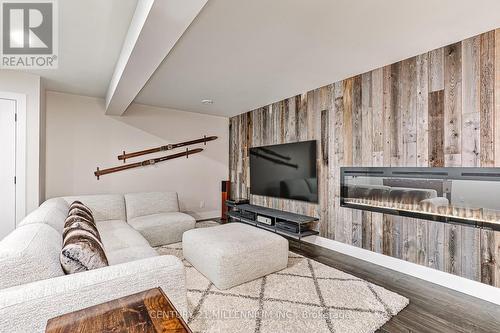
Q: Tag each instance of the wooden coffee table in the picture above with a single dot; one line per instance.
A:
(149, 311)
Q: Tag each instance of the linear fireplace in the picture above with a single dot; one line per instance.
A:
(469, 196)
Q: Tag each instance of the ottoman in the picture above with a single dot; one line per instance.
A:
(234, 253)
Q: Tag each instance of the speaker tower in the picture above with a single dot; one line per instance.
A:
(225, 195)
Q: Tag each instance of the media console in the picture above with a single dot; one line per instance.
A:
(284, 223)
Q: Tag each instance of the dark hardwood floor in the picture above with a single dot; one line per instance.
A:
(432, 308)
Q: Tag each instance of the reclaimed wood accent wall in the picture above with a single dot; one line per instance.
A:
(441, 108)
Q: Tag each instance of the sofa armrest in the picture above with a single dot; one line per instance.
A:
(27, 308)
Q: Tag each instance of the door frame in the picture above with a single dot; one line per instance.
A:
(20, 100)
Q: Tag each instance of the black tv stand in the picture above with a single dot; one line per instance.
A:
(247, 213)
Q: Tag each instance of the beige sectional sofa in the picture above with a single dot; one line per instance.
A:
(33, 287)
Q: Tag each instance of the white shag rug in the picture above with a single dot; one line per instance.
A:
(307, 296)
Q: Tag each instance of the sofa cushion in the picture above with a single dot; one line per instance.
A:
(30, 253)
(117, 235)
(162, 229)
(104, 206)
(130, 254)
(141, 204)
(52, 212)
(82, 251)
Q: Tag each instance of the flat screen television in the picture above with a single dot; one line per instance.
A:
(285, 171)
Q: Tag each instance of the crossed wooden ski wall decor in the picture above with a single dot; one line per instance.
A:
(98, 173)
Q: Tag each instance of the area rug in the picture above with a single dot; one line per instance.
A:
(307, 296)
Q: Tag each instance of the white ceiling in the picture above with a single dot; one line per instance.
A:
(246, 54)
(91, 34)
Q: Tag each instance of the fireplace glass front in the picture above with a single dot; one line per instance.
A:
(469, 196)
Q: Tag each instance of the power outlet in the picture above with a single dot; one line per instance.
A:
(202, 204)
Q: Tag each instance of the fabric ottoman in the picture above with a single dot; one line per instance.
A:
(234, 253)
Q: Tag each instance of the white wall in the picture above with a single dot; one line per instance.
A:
(80, 137)
(29, 85)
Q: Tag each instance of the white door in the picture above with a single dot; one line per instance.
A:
(7, 166)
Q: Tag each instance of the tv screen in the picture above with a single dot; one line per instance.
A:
(285, 171)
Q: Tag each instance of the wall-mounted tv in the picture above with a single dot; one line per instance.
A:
(285, 171)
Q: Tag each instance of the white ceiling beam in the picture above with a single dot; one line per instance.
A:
(155, 28)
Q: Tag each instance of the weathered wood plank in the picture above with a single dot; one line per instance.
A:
(366, 222)
(436, 70)
(470, 251)
(453, 249)
(453, 100)
(488, 252)
(366, 148)
(332, 163)
(388, 239)
(471, 141)
(323, 171)
(409, 102)
(436, 159)
(347, 132)
(422, 242)
(497, 142)
(347, 123)
(436, 129)
(470, 241)
(366, 119)
(396, 131)
(231, 156)
(453, 144)
(487, 55)
(241, 157)
(338, 155)
(387, 221)
(387, 113)
(471, 75)
(302, 118)
(397, 151)
(249, 144)
(357, 158)
(377, 232)
(487, 141)
(436, 245)
(422, 109)
(409, 112)
(377, 100)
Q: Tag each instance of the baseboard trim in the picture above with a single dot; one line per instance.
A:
(460, 284)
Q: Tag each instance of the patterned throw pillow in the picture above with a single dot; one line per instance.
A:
(82, 248)
(78, 222)
(81, 251)
(78, 208)
(80, 212)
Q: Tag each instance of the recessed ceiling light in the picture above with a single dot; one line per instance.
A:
(207, 101)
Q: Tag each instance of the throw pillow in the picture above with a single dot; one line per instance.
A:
(82, 213)
(82, 251)
(78, 222)
(80, 205)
